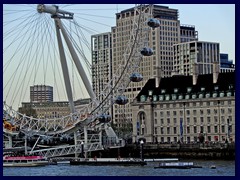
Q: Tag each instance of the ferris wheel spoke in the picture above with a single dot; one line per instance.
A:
(37, 41)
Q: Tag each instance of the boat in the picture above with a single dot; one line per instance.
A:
(177, 165)
(107, 161)
(24, 161)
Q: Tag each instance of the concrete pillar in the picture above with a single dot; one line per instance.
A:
(216, 70)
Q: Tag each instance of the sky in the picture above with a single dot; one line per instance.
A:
(214, 23)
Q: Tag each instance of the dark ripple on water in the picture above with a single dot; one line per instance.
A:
(223, 168)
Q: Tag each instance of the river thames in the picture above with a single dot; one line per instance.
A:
(223, 168)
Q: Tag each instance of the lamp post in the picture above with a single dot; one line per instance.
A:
(150, 94)
(82, 149)
(184, 122)
(141, 149)
(219, 126)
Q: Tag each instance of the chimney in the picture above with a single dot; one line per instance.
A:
(216, 69)
(195, 73)
(158, 76)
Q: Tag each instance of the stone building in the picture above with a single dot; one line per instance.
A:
(181, 107)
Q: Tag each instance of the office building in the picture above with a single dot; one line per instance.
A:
(101, 47)
(226, 65)
(41, 93)
(195, 57)
(188, 33)
(159, 39)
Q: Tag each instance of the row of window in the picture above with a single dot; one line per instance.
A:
(168, 97)
(195, 120)
(191, 130)
(189, 139)
(194, 112)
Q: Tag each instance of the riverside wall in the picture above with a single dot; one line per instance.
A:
(190, 151)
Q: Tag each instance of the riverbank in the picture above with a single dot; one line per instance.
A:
(193, 151)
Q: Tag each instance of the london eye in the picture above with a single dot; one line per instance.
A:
(47, 44)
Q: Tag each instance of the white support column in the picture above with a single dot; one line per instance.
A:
(9, 141)
(85, 140)
(64, 67)
(75, 143)
(77, 62)
(100, 137)
(25, 145)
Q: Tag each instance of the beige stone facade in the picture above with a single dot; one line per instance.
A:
(157, 117)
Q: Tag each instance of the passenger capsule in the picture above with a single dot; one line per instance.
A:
(104, 118)
(136, 77)
(147, 51)
(153, 23)
(121, 100)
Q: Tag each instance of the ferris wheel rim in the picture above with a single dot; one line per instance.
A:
(92, 103)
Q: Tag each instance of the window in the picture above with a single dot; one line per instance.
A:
(209, 129)
(168, 113)
(215, 129)
(209, 120)
(162, 139)
(229, 110)
(175, 130)
(188, 130)
(162, 121)
(168, 120)
(195, 120)
(174, 113)
(223, 119)
(216, 119)
(181, 113)
(168, 139)
(208, 111)
(201, 120)
(162, 130)
(195, 129)
(194, 112)
(223, 129)
(168, 130)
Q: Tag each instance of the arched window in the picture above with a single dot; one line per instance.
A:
(141, 129)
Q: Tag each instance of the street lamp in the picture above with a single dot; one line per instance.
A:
(150, 94)
(141, 149)
(82, 149)
(219, 120)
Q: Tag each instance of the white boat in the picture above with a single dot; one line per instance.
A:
(177, 165)
(24, 161)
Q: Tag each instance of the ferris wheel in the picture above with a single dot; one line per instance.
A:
(47, 44)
